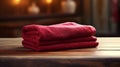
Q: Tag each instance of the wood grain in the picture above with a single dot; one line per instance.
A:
(108, 47)
(107, 54)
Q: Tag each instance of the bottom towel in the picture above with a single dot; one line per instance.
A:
(64, 46)
(37, 42)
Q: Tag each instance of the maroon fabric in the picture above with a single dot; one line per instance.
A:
(66, 35)
(62, 31)
(61, 46)
(43, 43)
(115, 10)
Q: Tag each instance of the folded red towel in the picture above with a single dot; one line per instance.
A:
(44, 43)
(66, 35)
(61, 46)
(63, 31)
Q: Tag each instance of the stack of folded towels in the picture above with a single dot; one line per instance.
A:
(67, 35)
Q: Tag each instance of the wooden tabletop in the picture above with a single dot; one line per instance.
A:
(107, 54)
(109, 47)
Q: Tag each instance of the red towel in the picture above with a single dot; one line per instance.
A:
(44, 43)
(61, 46)
(66, 35)
(62, 31)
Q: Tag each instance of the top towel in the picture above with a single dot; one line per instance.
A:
(60, 31)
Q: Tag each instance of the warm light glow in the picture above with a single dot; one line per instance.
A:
(48, 1)
(16, 2)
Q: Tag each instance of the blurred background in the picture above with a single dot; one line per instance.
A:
(102, 14)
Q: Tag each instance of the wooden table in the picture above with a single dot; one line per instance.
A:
(107, 54)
